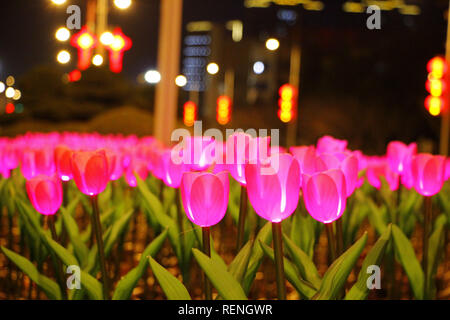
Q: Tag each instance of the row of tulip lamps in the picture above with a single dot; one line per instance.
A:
(273, 181)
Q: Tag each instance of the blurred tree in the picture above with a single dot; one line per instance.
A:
(48, 95)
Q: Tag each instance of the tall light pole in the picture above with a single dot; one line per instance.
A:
(445, 124)
(294, 80)
(102, 22)
(91, 11)
(168, 65)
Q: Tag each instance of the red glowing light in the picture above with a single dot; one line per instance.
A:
(74, 75)
(189, 113)
(9, 108)
(85, 41)
(287, 102)
(437, 67)
(223, 110)
(119, 45)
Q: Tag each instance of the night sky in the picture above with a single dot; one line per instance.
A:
(27, 27)
(383, 70)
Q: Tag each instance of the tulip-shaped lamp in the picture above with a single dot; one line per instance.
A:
(91, 175)
(273, 188)
(46, 196)
(205, 200)
(428, 176)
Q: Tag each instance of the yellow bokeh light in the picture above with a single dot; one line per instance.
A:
(118, 43)
(285, 116)
(59, 2)
(97, 60)
(212, 68)
(107, 38)
(436, 88)
(17, 94)
(122, 4)
(62, 34)
(63, 57)
(85, 41)
(180, 80)
(272, 44)
(435, 109)
(10, 81)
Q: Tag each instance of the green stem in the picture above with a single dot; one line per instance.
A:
(101, 251)
(59, 268)
(242, 217)
(339, 237)
(207, 250)
(331, 241)
(426, 232)
(279, 263)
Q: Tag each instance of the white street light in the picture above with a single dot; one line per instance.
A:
(97, 60)
(122, 4)
(152, 76)
(62, 34)
(58, 2)
(10, 92)
(212, 68)
(2, 87)
(272, 44)
(180, 80)
(258, 67)
(63, 57)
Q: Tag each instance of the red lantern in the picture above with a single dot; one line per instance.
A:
(189, 113)
(85, 41)
(287, 101)
(223, 110)
(119, 45)
(436, 85)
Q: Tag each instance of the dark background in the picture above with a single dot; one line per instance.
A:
(363, 85)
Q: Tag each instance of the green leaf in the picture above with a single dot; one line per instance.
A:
(305, 289)
(302, 232)
(80, 248)
(116, 230)
(47, 285)
(435, 251)
(171, 286)
(408, 259)
(155, 208)
(227, 286)
(125, 286)
(334, 279)
(238, 266)
(304, 264)
(264, 236)
(93, 287)
(359, 290)
(377, 216)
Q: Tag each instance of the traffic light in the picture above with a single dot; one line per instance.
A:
(189, 113)
(436, 85)
(287, 103)
(223, 110)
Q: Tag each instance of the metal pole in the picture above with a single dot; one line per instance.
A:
(168, 65)
(229, 84)
(102, 22)
(91, 12)
(445, 124)
(294, 80)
